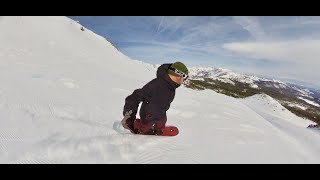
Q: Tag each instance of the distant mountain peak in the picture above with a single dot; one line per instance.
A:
(239, 85)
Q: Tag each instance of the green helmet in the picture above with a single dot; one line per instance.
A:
(179, 69)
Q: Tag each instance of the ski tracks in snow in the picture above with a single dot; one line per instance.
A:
(166, 150)
(109, 148)
(60, 133)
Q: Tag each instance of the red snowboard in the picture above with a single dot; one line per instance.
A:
(167, 131)
(145, 127)
(170, 131)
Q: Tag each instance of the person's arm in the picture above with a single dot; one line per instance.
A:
(132, 101)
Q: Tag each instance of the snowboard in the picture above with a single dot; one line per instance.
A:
(167, 131)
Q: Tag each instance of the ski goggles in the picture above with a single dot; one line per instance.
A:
(182, 74)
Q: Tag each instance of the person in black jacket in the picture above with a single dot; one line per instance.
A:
(156, 97)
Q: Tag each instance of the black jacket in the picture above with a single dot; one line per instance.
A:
(156, 96)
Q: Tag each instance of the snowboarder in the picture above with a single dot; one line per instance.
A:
(313, 126)
(156, 97)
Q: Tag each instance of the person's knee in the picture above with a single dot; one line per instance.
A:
(142, 127)
(160, 124)
(150, 124)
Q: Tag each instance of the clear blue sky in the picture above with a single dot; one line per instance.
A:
(285, 48)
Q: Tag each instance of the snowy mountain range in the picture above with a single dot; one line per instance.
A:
(62, 87)
(223, 75)
(291, 95)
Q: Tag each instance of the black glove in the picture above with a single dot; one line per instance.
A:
(130, 113)
(127, 115)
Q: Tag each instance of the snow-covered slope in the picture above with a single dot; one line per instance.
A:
(62, 89)
(310, 102)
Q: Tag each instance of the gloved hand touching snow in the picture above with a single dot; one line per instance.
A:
(127, 115)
